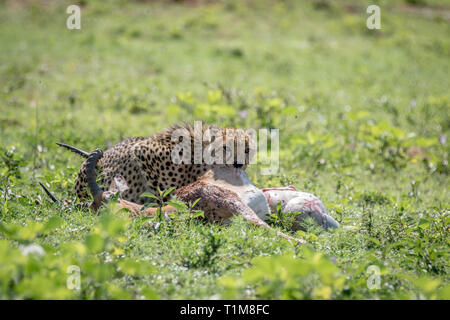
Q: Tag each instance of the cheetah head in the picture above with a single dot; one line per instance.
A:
(229, 147)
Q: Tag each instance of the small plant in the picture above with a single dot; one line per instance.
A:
(206, 254)
(9, 172)
(282, 220)
(161, 201)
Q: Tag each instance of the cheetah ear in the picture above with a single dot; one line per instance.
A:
(119, 184)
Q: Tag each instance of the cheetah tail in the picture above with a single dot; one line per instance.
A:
(54, 199)
(82, 153)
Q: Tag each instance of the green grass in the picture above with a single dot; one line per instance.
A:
(362, 117)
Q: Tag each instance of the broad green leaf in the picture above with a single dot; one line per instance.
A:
(95, 243)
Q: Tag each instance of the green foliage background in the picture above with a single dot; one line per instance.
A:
(363, 117)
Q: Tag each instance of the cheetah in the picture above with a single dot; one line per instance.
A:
(148, 164)
(218, 189)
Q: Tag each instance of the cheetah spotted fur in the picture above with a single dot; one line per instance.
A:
(146, 164)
